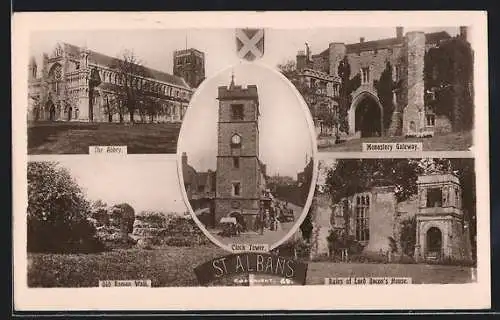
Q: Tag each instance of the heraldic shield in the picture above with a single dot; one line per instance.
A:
(250, 43)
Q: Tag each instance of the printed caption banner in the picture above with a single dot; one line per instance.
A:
(251, 263)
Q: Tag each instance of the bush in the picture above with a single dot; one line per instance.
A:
(339, 240)
(408, 236)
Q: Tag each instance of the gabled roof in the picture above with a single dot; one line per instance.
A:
(104, 60)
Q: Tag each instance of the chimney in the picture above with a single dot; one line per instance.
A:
(399, 32)
(362, 39)
(184, 158)
(463, 33)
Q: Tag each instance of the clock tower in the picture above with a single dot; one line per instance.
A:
(240, 174)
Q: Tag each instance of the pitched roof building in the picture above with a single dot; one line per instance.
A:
(77, 84)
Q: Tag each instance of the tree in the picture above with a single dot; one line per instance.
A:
(57, 211)
(99, 212)
(351, 176)
(110, 107)
(129, 68)
(347, 86)
(384, 87)
(289, 70)
(448, 72)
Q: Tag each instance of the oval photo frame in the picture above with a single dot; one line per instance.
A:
(197, 196)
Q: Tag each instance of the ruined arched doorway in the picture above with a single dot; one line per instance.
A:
(366, 116)
(239, 218)
(434, 243)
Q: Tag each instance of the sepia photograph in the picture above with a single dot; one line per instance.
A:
(403, 217)
(382, 85)
(246, 173)
(91, 220)
(86, 90)
(313, 154)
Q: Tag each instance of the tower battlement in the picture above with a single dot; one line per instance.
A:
(238, 92)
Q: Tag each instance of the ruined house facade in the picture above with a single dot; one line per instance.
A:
(413, 102)
(375, 216)
(77, 84)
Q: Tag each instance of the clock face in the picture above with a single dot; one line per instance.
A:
(236, 139)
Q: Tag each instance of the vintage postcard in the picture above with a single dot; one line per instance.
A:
(239, 160)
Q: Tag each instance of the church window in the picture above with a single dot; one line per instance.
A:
(236, 189)
(365, 75)
(434, 197)
(362, 219)
(237, 112)
(236, 162)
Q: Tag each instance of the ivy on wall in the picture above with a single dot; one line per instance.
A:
(347, 86)
(448, 71)
(384, 87)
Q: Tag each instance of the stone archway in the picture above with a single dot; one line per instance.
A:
(433, 243)
(366, 115)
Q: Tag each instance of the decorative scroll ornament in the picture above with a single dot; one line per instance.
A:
(250, 43)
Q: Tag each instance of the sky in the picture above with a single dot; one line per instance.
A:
(155, 47)
(146, 182)
(284, 134)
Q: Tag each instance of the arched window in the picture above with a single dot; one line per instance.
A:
(362, 218)
(235, 140)
(55, 77)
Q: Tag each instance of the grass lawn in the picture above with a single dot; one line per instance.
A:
(76, 137)
(166, 266)
(173, 266)
(455, 141)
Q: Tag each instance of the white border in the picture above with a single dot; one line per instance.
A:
(453, 296)
(308, 118)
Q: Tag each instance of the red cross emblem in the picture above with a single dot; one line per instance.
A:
(250, 43)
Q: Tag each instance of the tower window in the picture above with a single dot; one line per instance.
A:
(434, 197)
(236, 189)
(237, 112)
(236, 162)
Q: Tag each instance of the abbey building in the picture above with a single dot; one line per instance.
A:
(77, 84)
